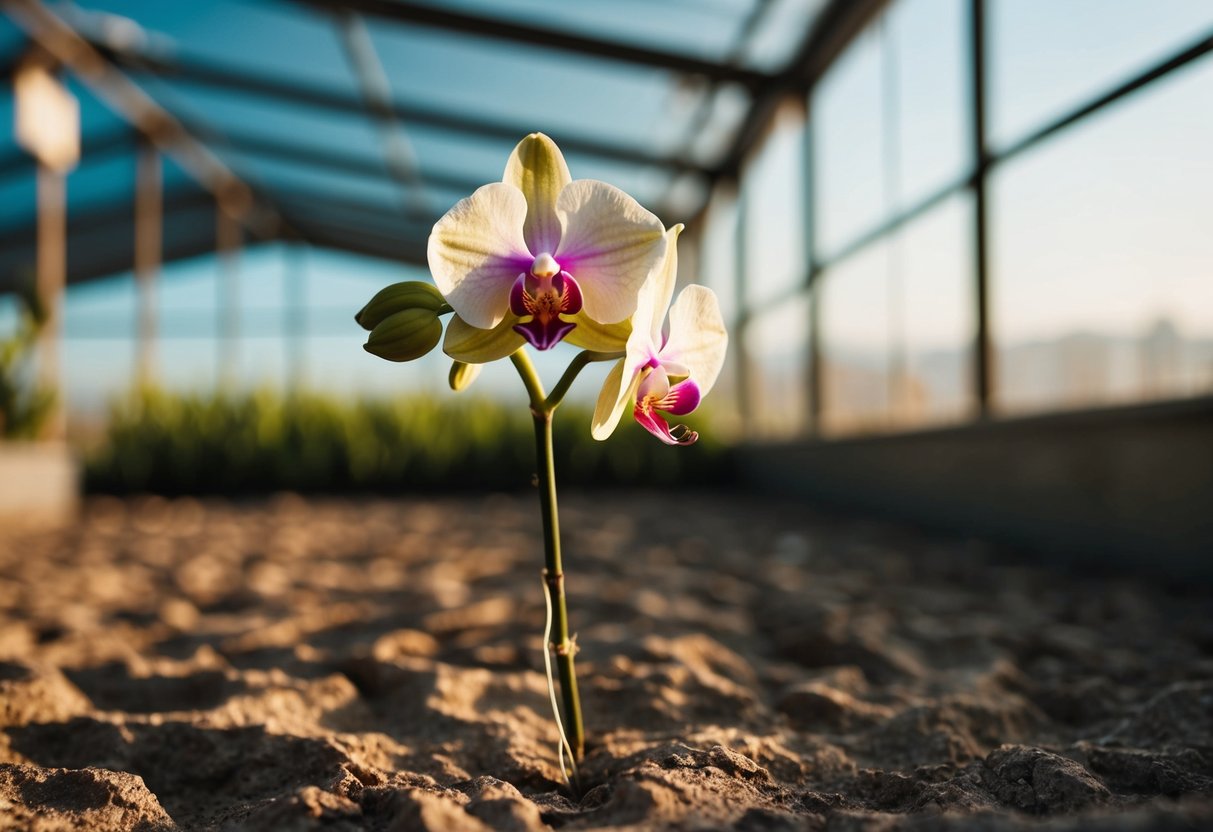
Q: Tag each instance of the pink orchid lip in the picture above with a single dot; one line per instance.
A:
(544, 300)
(654, 424)
(654, 394)
(683, 398)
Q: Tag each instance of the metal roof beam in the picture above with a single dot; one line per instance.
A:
(323, 201)
(98, 145)
(314, 157)
(107, 216)
(833, 31)
(204, 74)
(359, 241)
(63, 43)
(497, 28)
(125, 139)
(398, 155)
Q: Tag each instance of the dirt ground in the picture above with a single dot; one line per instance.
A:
(375, 664)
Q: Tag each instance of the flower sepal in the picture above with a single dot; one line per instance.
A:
(462, 375)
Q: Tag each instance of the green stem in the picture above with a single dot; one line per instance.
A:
(562, 645)
(570, 375)
(530, 379)
(542, 409)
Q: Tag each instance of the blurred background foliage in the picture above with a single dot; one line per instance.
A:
(25, 404)
(252, 442)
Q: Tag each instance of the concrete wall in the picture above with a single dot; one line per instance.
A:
(1127, 487)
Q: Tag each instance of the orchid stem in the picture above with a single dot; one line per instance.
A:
(578, 364)
(564, 647)
(530, 380)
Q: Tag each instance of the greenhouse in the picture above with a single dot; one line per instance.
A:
(931, 552)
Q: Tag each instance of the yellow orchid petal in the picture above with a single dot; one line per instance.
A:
(591, 335)
(654, 298)
(617, 393)
(473, 345)
(537, 168)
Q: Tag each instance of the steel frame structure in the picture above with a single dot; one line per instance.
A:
(984, 161)
(360, 226)
(128, 61)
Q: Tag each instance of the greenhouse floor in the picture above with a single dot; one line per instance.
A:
(298, 663)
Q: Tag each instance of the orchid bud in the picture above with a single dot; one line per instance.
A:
(406, 335)
(462, 375)
(412, 294)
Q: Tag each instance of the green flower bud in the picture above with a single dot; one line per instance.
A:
(412, 294)
(462, 375)
(406, 335)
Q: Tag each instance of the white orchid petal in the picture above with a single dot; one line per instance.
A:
(675, 369)
(698, 339)
(610, 243)
(476, 252)
(654, 298)
(618, 391)
(473, 345)
(664, 280)
(537, 168)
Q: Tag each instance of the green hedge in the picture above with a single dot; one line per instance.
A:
(169, 443)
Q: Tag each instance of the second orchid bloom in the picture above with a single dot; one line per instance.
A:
(667, 368)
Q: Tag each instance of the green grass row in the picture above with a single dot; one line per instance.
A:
(168, 443)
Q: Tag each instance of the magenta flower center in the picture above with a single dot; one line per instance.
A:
(540, 297)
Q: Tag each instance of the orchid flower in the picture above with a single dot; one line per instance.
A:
(530, 258)
(666, 369)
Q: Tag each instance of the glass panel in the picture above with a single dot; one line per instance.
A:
(773, 187)
(173, 176)
(1047, 57)
(709, 141)
(98, 346)
(338, 284)
(266, 118)
(780, 31)
(689, 27)
(10, 315)
(718, 253)
(777, 345)
(856, 337)
(478, 158)
(717, 269)
(96, 117)
(186, 298)
(848, 168)
(926, 39)
(1102, 273)
(546, 90)
(934, 315)
(482, 160)
(11, 39)
(289, 177)
(109, 181)
(18, 198)
(278, 39)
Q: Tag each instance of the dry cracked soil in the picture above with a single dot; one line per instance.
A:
(299, 664)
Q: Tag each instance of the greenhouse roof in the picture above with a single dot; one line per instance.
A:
(354, 124)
